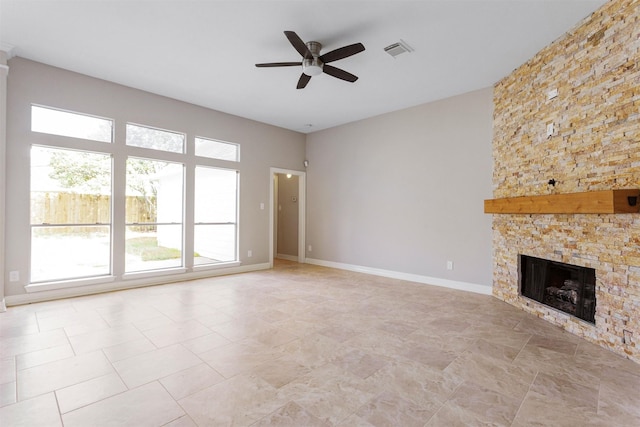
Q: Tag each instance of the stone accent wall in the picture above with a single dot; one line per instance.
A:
(595, 146)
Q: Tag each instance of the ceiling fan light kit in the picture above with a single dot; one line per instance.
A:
(314, 64)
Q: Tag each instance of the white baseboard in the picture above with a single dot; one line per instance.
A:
(435, 281)
(126, 284)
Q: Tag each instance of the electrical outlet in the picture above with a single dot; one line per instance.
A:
(249, 253)
(14, 276)
(310, 248)
(449, 265)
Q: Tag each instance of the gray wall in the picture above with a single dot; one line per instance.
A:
(404, 191)
(262, 147)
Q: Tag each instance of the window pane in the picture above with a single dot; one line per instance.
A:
(70, 187)
(154, 198)
(153, 247)
(155, 139)
(154, 191)
(215, 195)
(59, 253)
(214, 244)
(63, 123)
(217, 149)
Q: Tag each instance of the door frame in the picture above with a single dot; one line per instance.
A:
(302, 193)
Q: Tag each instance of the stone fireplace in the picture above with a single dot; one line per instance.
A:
(595, 145)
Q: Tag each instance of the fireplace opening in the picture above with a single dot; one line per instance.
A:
(565, 287)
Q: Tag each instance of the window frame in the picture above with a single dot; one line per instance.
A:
(120, 152)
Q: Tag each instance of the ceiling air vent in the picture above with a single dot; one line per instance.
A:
(398, 48)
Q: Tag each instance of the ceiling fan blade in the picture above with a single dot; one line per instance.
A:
(342, 52)
(304, 79)
(298, 44)
(337, 72)
(279, 64)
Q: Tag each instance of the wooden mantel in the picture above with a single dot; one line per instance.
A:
(590, 202)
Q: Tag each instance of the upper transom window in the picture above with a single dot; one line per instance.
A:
(156, 139)
(74, 125)
(217, 149)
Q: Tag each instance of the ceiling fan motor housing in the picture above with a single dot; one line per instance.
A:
(313, 66)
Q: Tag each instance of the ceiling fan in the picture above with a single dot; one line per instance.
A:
(313, 63)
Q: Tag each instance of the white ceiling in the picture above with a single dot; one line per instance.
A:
(204, 52)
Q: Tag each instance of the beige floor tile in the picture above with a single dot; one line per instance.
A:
(429, 353)
(281, 371)
(165, 335)
(571, 394)
(128, 349)
(148, 405)
(488, 406)
(96, 340)
(191, 380)
(240, 329)
(40, 357)
(388, 409)
(8, 393)
(426, 386)
(329, 393)
(540, 411)
(62, 373)
(291, 415)
(312, 350)
(354, 421)
(155, 364)
(494, 374)
(7, 370)
(14, 320)
(74, 321)
(39, 411)
(241, 357)
(359, 363)
(184, 421)
(274, 337)
(87, 392)
(240, 400)
(205, 343)
(12, 346)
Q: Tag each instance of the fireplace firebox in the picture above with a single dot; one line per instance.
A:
(565, 287)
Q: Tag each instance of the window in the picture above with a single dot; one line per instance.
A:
(70, 214)
(154, 212)
(63, 123)
(156, 139)
(78, 186)
(217, 149)
(215, 230)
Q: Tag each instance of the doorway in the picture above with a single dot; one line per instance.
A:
(287, 215)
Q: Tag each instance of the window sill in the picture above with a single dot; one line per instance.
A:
(64, 284)
(154, 273)
(204, 267)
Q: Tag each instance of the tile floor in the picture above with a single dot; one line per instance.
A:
(302, 345)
